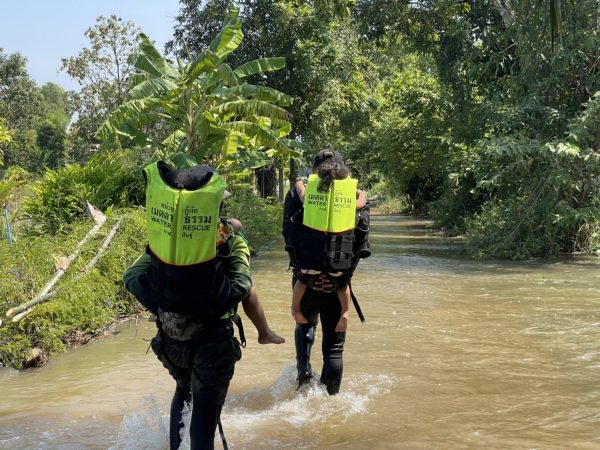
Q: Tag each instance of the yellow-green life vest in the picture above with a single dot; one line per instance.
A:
(182, 225)
(333, 211)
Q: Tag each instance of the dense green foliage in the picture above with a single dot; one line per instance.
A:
(107, 181)
(526, 172)
(261, 218)
(485, 115)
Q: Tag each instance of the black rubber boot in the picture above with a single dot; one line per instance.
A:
(304, 337)
(182, 396)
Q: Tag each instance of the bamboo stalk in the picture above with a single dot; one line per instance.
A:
(21, 315)
(101, 250)
(99, 218)
(27, 305)
(25, 308)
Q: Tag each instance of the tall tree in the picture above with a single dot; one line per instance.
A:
(21, 105)
(20, 100)
(57, 104)
(322, 58)
(103, 71)
(51, 139)
(208, 108)
(5, 137)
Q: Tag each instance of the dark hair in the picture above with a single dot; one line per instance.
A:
(190, 179)
(329, 166)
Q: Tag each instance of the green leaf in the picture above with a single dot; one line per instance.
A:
(152, 88)
(284, 129)
(183, 161)
(211, 146)
(263, 137)
(231, 143)
(247, 108)
(205, 62)
(259, 66)
(294, 143)
(246, 159)
(257, 92)
(127, 111)
(230, 36)
(174, 139)
(226, 75)
(151, 61)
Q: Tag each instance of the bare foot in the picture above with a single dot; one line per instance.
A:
(298, 316)
(270, 338)
(342, 324)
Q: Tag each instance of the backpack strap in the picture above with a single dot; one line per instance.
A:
(356, 305)
(237, 320)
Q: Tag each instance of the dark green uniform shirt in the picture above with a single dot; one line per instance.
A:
(237, 270)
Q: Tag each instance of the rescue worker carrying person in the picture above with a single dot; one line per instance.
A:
(325, 226)
(330, 205)
(192, 277)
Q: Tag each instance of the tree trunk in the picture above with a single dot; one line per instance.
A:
(505, 10)
(266, 180)
(280, 180)
(293, 176)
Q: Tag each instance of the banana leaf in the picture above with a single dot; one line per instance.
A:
(152, 88)
(229, 38)
(262, 93)
(205, 62)
(151, 61)
(247, 108)
(259, 66)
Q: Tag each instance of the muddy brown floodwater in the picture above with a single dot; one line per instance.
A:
(455, 354)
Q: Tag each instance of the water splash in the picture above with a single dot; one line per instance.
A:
(262, 417)
(279, 411)
(143, 428)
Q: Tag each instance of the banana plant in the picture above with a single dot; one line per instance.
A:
(210, 110)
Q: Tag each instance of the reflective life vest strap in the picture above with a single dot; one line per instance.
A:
(222, 433)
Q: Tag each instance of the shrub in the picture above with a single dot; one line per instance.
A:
(262, 219)
(58, 199)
